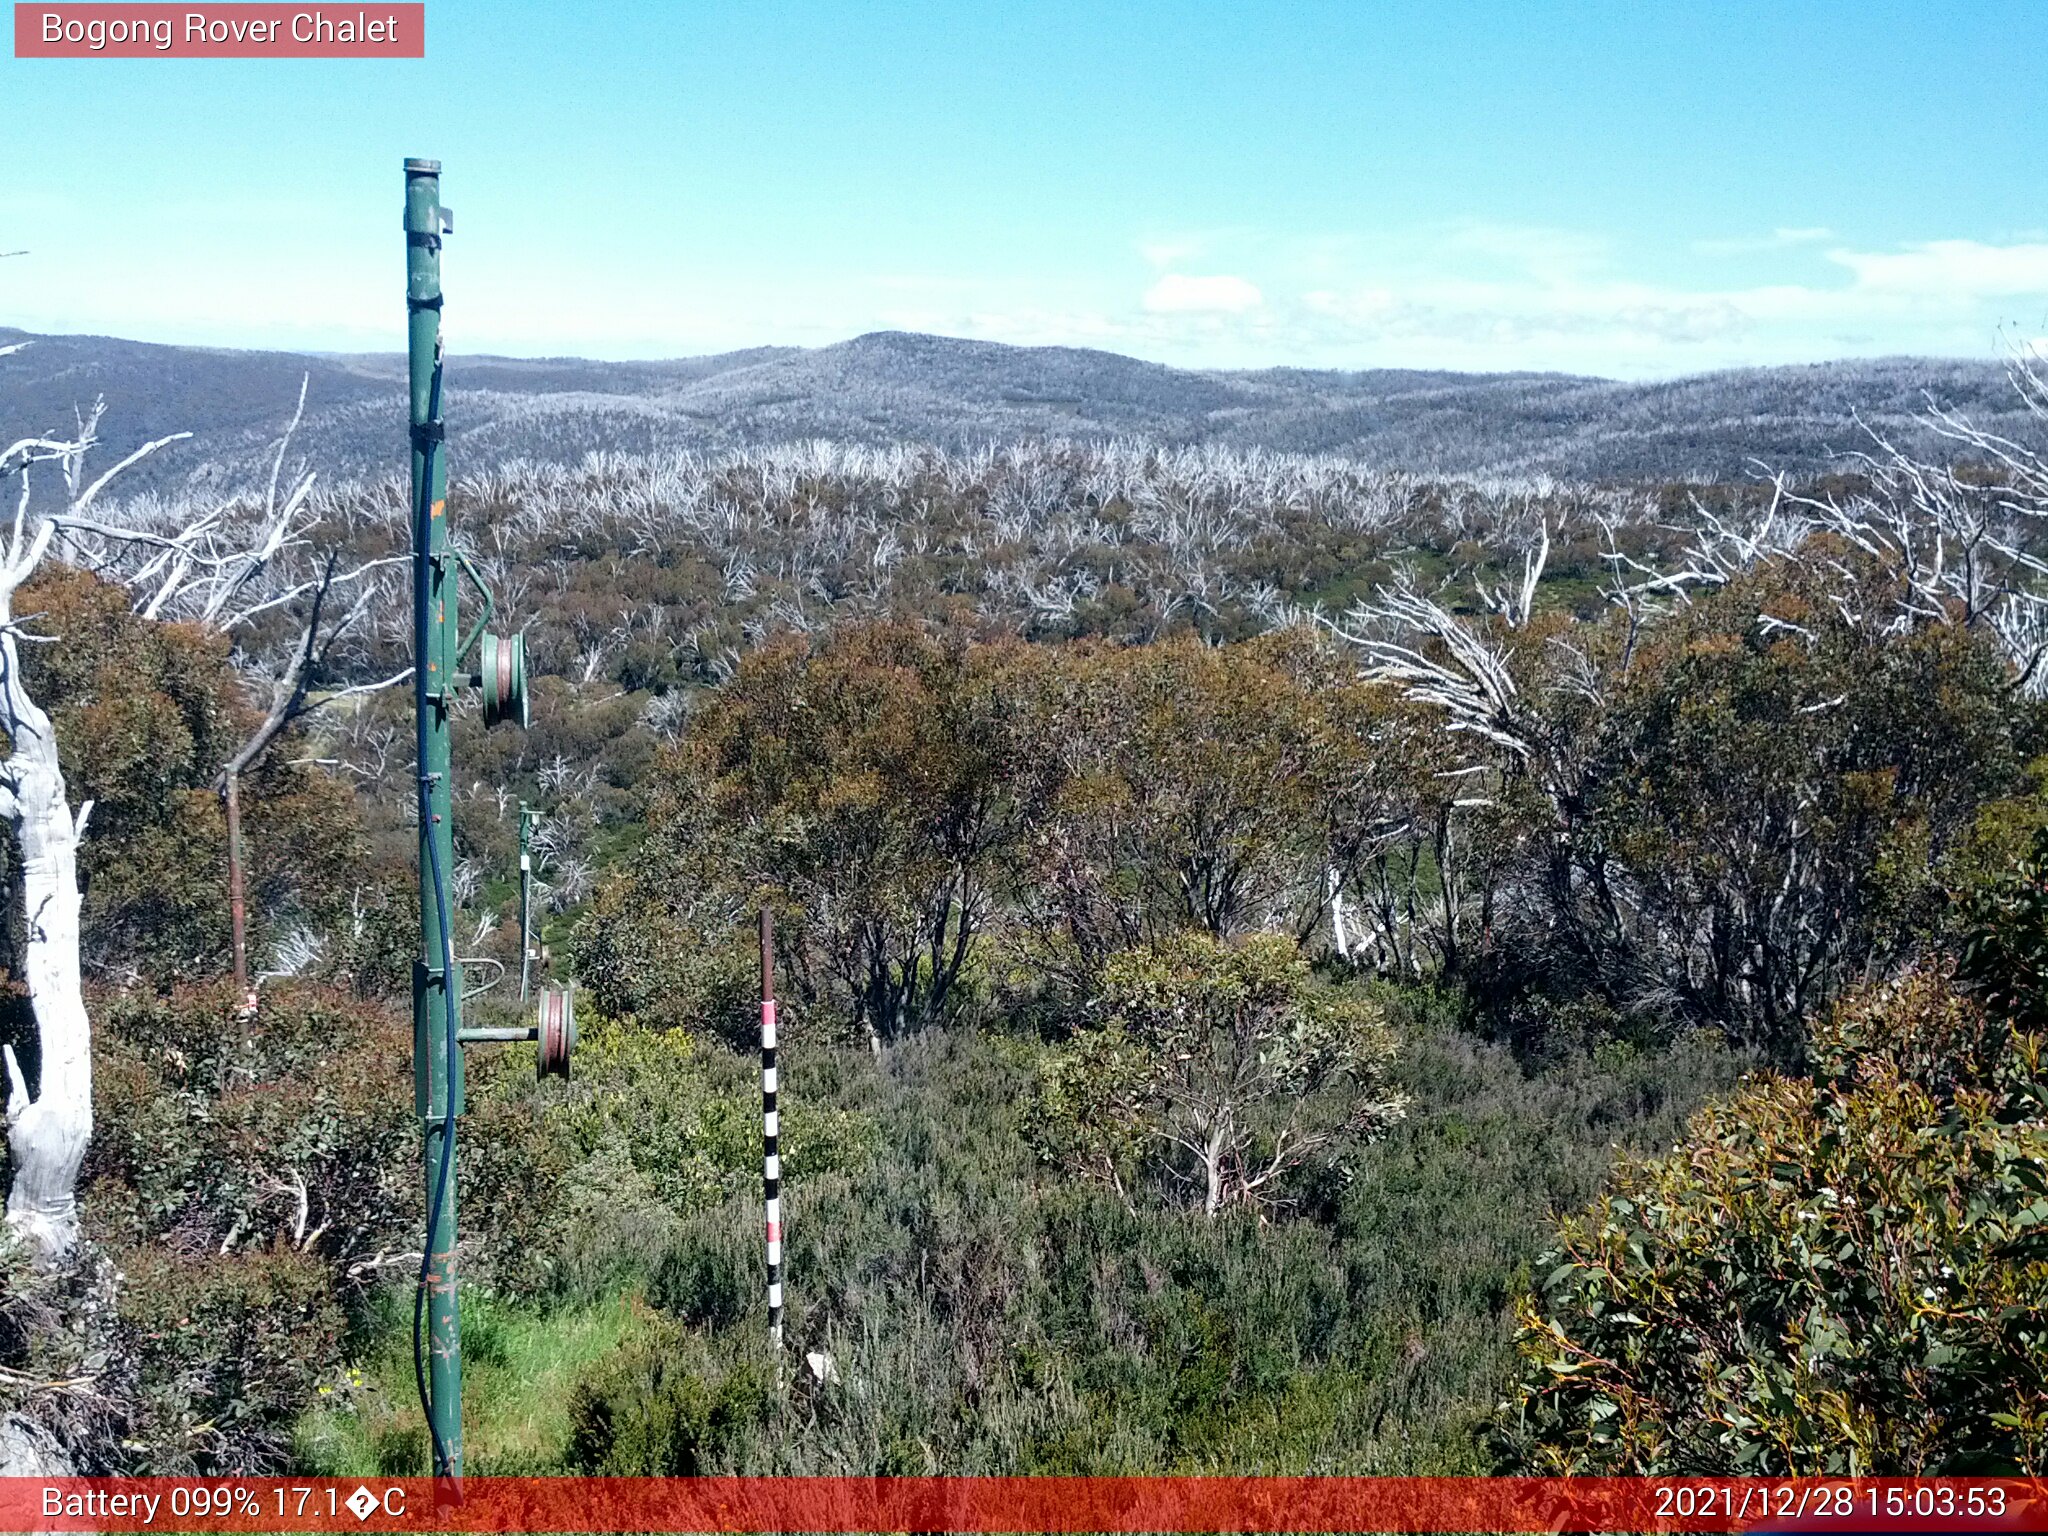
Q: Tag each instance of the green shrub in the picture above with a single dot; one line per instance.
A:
(666, 1406)
(691, 969)
(983, 1314)
(232, 1132)
(515, 1172)
(713, 1271)
(1225, 1067)
(687, 1116)
(576, 1191)
(1843, 1275)
(229, 1349)
(244, 1174)
(2005, 949)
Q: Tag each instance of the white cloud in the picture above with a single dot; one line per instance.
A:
(1491, 297)
(1444, 293)
(1181, 293)
(1951, 269)
(1166, 250)
(1779, 239)
(1531, 249)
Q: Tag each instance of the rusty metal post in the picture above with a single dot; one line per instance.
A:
(238, 907)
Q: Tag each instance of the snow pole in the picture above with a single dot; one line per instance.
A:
(771, 1159)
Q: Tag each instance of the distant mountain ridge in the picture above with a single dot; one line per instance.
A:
(893, 386)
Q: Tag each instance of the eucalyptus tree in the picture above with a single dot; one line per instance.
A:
(243, 567)
(266, 572)
(1221, 1068)
(1740, 777)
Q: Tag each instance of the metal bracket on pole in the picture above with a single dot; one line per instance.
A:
(437, 980)
(439, 649)
(483, 590)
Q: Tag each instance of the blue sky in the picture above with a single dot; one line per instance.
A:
(1639, 189)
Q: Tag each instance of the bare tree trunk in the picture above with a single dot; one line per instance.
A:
(1212, 1170)
(238, 909)
(289, 703)
(47, 1132)
(1335, 885)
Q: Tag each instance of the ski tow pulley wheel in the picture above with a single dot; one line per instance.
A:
(501, 671)
(557, 1034)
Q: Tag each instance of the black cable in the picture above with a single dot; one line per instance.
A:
(422, 540)
(447, 1163)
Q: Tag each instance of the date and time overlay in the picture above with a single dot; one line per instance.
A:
(1016, 1504)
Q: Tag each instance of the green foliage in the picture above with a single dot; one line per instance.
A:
(241, 1170)
(1844, 1275)
(667, 1406)
(234, 1132)
(1123, 848)
(1759, 809)
(688, 1118)
(983, 1314)
(868, 785)
(709, 1274)
(371, 948)
(2005, 952)
(1185, 786)
(1092, 1112)
(577, 1190)
(228, 1349)
(947, 827)
(1998, 841)
(676, 960)
(146, 713)
(1230, 1064)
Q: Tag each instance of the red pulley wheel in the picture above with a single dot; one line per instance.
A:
(557, 1030)
(501, 678)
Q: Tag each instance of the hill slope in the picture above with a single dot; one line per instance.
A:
(893, 386)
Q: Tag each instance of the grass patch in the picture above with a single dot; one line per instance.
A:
(519, 1364)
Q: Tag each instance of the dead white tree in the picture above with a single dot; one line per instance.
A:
(49, 1098)
(1412, 641)
(237, 567)
(1916, 542)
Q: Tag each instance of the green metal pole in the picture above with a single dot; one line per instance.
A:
(437, 980)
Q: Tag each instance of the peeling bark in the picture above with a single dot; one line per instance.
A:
(47, 1126)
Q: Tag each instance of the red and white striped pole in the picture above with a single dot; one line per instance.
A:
(771, 1159)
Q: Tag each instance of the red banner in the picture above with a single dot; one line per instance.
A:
(1012, 1504)
(238, 31)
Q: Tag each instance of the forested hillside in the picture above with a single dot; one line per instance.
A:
(1288, 964)
(890, 388)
